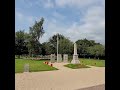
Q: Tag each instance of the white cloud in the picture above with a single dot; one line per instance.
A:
(52, 27)
(30, 19)
(77, 3)
(27, 3)
(19, 16)
(93, 20)
(48, 4)
(58, 16)
(93, 27)
(94, 14)
(44, 38)
(40, 3)
(23, 20)
(62, 3)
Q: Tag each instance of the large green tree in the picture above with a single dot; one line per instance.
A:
(20, 44)
(82, 46)
(35, 32)
(96, 51)
(65, 45)
(53, 41)
(47, 48)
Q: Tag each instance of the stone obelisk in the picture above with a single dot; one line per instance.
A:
(75, 55)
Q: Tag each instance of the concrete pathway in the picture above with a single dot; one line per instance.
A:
(62, 79)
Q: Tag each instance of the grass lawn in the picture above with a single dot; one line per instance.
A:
(76, 66)
(34, 66)
(93, 62)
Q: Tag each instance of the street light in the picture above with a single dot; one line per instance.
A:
(57, 47)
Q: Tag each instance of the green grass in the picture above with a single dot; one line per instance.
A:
(91, 62)
(34, 66)
(76, 66)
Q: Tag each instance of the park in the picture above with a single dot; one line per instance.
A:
(59, 45)
(59, 77)
(58, 66)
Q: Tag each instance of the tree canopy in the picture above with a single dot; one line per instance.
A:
(29, 43)
(65, 45)
(29, 40)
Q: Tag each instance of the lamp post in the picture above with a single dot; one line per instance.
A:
(57, 47)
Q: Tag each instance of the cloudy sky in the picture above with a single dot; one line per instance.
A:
(76, 19)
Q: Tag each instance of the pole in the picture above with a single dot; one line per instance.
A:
(57, 47)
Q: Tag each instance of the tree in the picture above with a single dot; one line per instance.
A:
(82, 46)
(47, 48)
(97, 50)
(65, 45)
(36, 31)
(20, 44)
(53, 42)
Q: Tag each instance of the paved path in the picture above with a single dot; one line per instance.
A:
(62, 79)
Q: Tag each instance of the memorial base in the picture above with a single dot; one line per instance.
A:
(75, 60)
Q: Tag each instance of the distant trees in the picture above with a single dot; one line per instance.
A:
(20, 44)
(88, 48)
(96, 51)
(85, 48)
(28, 43)
(30, 40)
(65, 45)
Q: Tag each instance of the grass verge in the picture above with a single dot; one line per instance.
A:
(76, 66)
(34, 65)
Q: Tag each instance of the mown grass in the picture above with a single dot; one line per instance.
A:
(34, 65)
(93, 62)
(76, 66)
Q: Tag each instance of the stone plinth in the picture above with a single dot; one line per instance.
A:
(75, 55)
(75, 60)
(26, 68)
(52, 58)
(59, 58)
(65, 58)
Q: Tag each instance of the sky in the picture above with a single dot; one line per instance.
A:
(75, 19)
